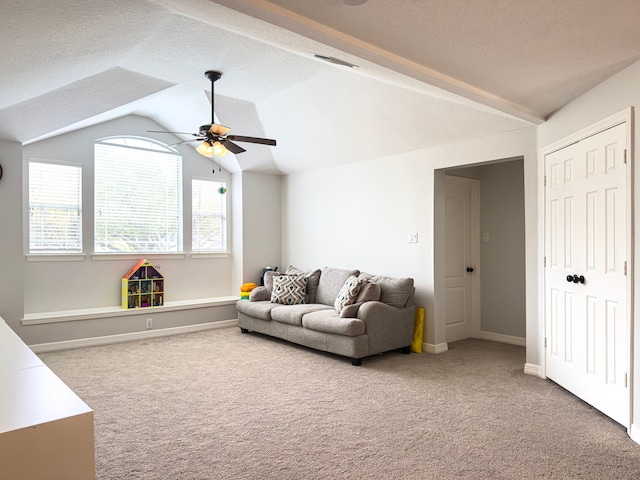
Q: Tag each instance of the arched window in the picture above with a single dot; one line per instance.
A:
(138, 196)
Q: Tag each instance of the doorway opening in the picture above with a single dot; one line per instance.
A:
(498, 311)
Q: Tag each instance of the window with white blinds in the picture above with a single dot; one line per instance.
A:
(209, 215)
(55, 207)
(138, 196)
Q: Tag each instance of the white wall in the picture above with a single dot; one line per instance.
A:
(612, 96)
(359, 216)
(11, 258)
(261, 238)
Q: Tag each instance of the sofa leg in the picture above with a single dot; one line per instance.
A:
(244, 330)
(356, 362)
(406, 350)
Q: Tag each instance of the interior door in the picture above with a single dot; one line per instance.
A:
(461, 264)
(587, 329)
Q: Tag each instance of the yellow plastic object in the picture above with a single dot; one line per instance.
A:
(418, 329)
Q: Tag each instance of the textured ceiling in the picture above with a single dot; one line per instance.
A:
(429, 72)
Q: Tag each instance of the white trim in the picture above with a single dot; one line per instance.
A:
(128, 337)
(532, 369)
(499, 337)
(110, 312)
(623, 116)
(431, 348)
(634, 433)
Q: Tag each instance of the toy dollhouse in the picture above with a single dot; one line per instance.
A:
(142, 286)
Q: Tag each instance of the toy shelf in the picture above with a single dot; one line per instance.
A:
(142, 286)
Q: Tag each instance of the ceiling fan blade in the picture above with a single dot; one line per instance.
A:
(218, 129)
(199, 139)
(232, 147)
(262, 141)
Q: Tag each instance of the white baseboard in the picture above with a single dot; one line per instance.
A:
(431, 348)
(634, 433)
(533, 369)
(128, 337)
(498, 337)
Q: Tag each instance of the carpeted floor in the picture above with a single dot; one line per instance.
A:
(222, 405)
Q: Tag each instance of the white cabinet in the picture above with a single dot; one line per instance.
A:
(46, 430)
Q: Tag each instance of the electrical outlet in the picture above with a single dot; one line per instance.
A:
(149, 323)
(413, 237)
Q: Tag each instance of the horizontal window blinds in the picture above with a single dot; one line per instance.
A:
(209, 232)
(55, 207)
(138, 200)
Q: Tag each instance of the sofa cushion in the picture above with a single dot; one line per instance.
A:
(393, 291)
(260, 310)
(268, 279)
(331, 281)
(293, 314)
(289, 289)
(330, 322)
(369, 292)
(312, 281)
(348, 293)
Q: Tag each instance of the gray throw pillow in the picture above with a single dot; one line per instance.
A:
(313, 278)
(369, 292)
(268, 279)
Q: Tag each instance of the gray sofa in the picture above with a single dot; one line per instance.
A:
(341, 311)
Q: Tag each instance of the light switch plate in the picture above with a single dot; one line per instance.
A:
(413, 237)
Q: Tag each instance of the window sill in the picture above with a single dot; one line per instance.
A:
(55, 257)
(209, 254)
(135, 256)
(80, 257)
(110, 312)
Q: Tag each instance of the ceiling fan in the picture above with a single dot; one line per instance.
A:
(214, 138)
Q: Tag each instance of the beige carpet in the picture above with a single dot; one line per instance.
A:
(223, 405)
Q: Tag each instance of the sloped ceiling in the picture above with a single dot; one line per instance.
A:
(429, 72)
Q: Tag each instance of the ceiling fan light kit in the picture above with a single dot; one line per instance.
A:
(214, 138)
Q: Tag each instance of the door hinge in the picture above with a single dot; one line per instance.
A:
(625, 267)
(544, 263)
(625, 380)
(545, 342)
(625, 155)
(545, 180)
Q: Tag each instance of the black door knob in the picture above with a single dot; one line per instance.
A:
(575, 278)
(469, 269)
(569, 278)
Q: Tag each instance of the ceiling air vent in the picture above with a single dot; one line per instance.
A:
(335, 61)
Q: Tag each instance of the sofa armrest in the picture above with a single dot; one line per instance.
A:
(259, 294)
(387, 327)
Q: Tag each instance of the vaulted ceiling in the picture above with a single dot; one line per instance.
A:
(429, 72)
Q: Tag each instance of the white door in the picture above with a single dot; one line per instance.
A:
(462, 228)
(587, 330)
